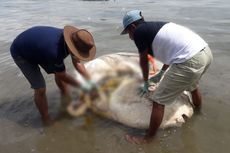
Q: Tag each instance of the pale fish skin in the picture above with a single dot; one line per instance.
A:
(124, 105)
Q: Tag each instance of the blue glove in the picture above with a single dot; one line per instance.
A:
(94, 84)
(156, 78)
(144, 89)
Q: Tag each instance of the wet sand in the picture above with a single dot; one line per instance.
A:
(21, 129)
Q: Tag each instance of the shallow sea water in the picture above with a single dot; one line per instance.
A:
(21, 130)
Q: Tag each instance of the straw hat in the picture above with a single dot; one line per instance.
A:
(80, 43)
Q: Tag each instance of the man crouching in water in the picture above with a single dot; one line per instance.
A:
(185, 55)
(47, 47)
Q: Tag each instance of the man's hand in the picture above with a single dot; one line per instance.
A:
(88, 86)
(144, 89)
(156, 78)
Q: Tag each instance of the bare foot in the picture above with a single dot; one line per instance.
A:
(136, 139)
(48, 121)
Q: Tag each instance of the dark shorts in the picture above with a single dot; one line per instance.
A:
(31, 72)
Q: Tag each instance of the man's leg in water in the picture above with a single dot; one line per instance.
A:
(42, 105)
(196, 98)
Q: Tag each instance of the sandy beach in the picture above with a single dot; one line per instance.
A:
(21, 130)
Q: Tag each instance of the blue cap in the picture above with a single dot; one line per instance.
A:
(129, 18)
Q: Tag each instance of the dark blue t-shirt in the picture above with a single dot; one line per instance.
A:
(42, 45)
(145, 34)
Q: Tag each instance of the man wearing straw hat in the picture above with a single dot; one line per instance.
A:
(47, 47)
(185, 55)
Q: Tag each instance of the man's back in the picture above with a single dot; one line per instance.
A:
(40, 44)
